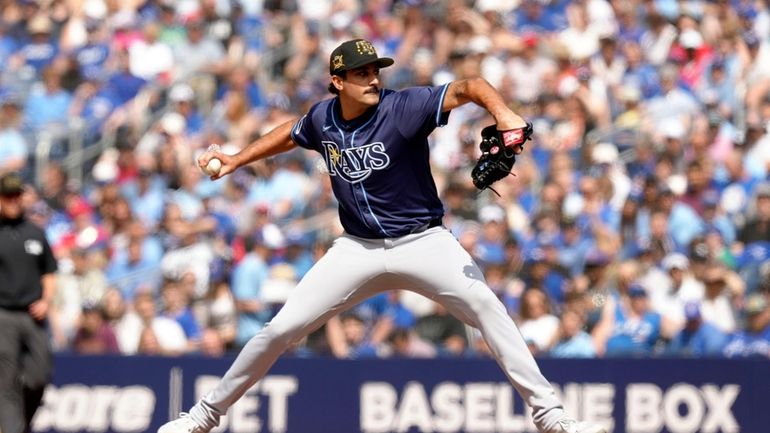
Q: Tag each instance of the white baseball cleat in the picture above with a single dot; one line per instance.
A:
(569, 425)
(183, 424)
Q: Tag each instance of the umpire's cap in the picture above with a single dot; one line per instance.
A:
(354, 54)
(11, 184)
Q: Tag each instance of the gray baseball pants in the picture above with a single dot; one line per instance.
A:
(432, 263)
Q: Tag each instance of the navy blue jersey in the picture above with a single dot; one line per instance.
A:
(379, 162)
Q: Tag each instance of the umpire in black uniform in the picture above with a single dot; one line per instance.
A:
(27, 284)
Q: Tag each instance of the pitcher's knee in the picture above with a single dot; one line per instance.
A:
(278, 336)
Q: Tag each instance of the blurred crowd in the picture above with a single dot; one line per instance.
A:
(637, 222)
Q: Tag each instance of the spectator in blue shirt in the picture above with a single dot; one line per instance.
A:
(250, 27)
(225, 229)
(39, 51)
(92, 56)
(629, 27)
(241, 80)
(698, 338)
(298, 253)
(373, 309)
(573, 341)
(542, 271)
(489, 246)
(754, 341)
(133, 272)
(151, 247)
(49, 104)
(182, 99)
(354, 332)
(684, 224)
(720, 79)
(8, 44)
(636, 328)
(573, 247)
(397, 313)
(176, 307)
(125, 84)
(532, 16)
(638, 73)
(247, 278)
(186, 195)
(13, 146)
(715, 218)
(145, 192)
(93, 103)
(753, 262)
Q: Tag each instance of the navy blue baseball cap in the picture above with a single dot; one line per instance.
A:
(535, 255)
(353, 54)
(751, 39)
(711, 198)
(596, 258)
(637, 291)
(747, 12)
(692, 311)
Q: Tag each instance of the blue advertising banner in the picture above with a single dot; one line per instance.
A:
(138, 394)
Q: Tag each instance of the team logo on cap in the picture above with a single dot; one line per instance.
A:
(337, 62)
(365, 47)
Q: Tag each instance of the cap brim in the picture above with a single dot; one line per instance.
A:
(380, 62)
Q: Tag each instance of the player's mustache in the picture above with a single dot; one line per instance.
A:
(373, 90)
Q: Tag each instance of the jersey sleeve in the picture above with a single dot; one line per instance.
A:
(420, 109)
(300, 133)
(304, 133)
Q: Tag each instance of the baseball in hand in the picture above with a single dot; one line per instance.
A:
(213, 167)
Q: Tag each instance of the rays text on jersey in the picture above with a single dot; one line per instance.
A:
(355, 164)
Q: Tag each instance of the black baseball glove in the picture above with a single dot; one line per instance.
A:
(498, 154)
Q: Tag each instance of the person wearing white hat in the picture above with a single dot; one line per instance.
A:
(150, 57)
(607, 158)
(673, 103)
(183, 101)
(696, 57)
(670, 299)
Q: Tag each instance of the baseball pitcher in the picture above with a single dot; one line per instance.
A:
(375, 144)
